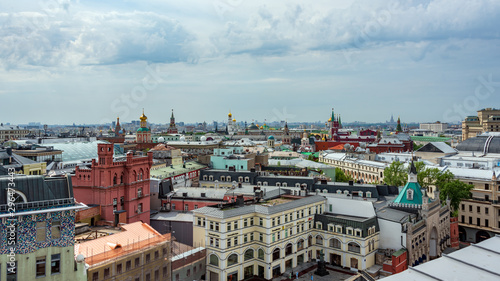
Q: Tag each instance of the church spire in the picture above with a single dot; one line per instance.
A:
(398, 127)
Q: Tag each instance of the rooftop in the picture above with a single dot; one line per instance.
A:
(169, 171)
(476, 262)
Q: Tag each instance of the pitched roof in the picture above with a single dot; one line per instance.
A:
(437, 147)
(417, 194)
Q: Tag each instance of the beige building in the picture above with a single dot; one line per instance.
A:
(366, 170)
(479, 217)
(436, 127)
(487, 120)
(138, 253)
(11, 132)
(271, 238)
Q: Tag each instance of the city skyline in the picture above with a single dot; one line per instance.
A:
(90, 62)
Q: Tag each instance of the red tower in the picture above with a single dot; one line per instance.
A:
(120, 188)
(172, 129)
(454, 236)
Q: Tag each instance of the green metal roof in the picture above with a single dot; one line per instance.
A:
(417, 194)
(429, 139)
(399, 252)
(143, 130)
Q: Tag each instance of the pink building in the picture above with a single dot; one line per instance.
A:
(121, 188)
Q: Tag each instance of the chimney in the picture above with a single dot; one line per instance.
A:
(240, 201)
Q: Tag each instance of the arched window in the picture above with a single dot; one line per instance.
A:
(260, 255)
(285, 184)
(121, 178)
(335, 243)
(276, 254)
(214, 260)
(247, 179)
(353, 247)
(228, 178)
(249, 254)
(135, 175)
(278, 184)
(222, 178)
(265, 183)
(204, 177)
(210, 178)
(319, 240)
(240, 179)
(300, 245)
(232, 259)
(288, 249)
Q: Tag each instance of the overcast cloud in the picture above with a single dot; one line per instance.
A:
(87, 61)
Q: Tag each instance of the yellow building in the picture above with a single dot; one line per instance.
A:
(273, 237)
(137, 253)
(487, 120)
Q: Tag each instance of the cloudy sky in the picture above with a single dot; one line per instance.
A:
(64, 61)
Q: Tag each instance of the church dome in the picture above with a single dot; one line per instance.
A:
(252, 127)
(142, 130)
(161, 139)
(234, 120)
(270, 138)
(203, 138)
(229, 115)
(182, 138)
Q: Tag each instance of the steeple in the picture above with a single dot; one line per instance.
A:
(398, 127)
(333, 116)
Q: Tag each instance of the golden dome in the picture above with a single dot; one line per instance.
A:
(261, 127)
(234, 120)
(330, 120)
(229, 115)
(143, 117)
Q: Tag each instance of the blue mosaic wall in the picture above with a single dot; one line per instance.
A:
(26, 232)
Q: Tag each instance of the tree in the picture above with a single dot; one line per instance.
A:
(396, 174)
(455, 191)
(340, 176)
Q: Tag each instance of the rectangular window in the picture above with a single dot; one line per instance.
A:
(229, 243)
(106, 272)
(486, 223)
(274, 237)
(148, 258)
(245, 222)
(56, 230)
(486, 210)
(235, 241)
(228, 226)
(245, 238)
(40, 231)
(95, 276)
(463, 219)
(463, 207)
(195, 207)
(173, 206)
(119, 268)
(165, 271)
(128, 265)
(251, 221)
(157, 255)
(55, 264)
(251, 236)
(478, 222)
(139, 208)
(261, 222)
(261, 237)
(137, 262)
(470, 208)
(235, 226)
(470, 220)
(186, 207)
(157, 275)
(478, 209)
(216, 226)
(40, 266)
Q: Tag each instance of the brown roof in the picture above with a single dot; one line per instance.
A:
(162, 147)
(134, 237)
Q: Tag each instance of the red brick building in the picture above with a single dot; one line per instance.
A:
(398, 262)
(121, 188)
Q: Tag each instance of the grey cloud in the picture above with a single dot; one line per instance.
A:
(92, 38)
